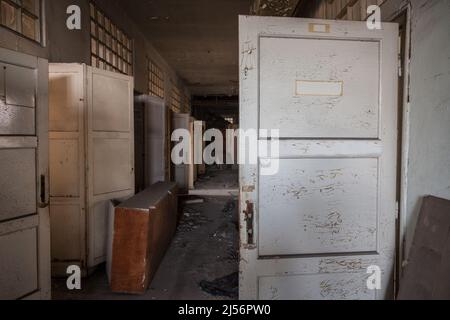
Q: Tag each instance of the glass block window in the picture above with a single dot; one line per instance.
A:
(176, 102)
(155, 80)
(111, 48)
(187, 104)
(22, 16)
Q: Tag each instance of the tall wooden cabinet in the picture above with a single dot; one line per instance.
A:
(24, 215)
(91, 160)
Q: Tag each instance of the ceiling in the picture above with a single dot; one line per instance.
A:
(198, 38)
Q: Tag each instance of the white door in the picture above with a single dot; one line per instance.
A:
(311, 230)
(110, 163)
(24, 217)
(67, 166)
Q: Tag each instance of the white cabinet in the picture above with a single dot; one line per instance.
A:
(24, 215)
(91, 160)
(181, 171)
(155, 139)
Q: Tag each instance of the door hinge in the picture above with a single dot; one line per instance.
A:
(249, 219)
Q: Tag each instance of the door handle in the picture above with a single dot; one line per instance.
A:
(43, 197)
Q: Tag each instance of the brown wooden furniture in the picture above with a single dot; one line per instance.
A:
(426, 276)
(143, 230)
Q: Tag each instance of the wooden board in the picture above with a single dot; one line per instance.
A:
(427, 275)
(143, 229)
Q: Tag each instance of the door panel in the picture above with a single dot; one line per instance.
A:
(20, 86)
(67, 237)
(312, 229)
(65, 168)
(317, 206)
(16, 120)
(19, 262)
(320, 88)
(108, 113)
(316, 287)
(65, 101)
(18, 183)
(111, 166)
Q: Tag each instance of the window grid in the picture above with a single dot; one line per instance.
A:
(111, 49)
(155, 80)
(22, 16)
(187, 104)
(176, 100)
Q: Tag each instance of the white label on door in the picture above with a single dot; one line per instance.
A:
(319, 88)
(319, 27)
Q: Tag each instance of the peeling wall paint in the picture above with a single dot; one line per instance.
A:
(429, 109)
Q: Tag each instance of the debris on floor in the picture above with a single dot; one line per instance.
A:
(227, 286)
(191, 220)
(192, 200)
(230, 206)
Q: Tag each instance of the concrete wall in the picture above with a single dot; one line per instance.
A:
(63, 45)
(428, 169)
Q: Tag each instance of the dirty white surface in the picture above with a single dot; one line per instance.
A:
(204, 248)
(24, 223)
(429, 110)
(333, 200)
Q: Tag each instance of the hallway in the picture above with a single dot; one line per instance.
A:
(204, 249)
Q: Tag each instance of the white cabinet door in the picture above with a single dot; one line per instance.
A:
(67, 166)
(91, 160)
(312, 229)
(24, 217)
(110, 163)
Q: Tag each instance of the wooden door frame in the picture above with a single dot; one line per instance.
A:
(391, 12)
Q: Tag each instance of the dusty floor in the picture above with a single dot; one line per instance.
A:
(203, 250)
